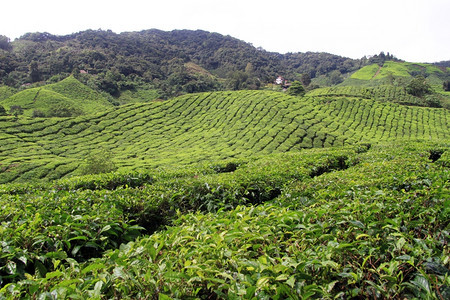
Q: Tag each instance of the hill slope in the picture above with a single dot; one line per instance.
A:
(65, 98)
(346, 222)
(390, 72)
(116, 62)
(207, 126)
(404, 69)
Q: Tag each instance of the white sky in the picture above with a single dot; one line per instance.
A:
(413, 30)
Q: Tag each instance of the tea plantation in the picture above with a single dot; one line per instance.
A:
(205, 127)
(229, 195)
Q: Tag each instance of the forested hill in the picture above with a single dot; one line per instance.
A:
(173, 62)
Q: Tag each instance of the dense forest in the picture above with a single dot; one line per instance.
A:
(175, 62)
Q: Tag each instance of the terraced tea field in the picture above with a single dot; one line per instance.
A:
(68, 97)
(384, 93)
(363, 221)
(204, 127)
(217, 198)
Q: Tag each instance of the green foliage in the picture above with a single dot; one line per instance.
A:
(183, 61)
(372, 224)
(391, 70)
(335, 77)
(140, 94)
(66, 98)
(210, 127)
(16, 110)
(114, 63)
(35, 73)
(296, 89)
(38, 114)
(305, 79)
(418, 87)
(2, 111)
(366, 73)
(384, 93)
(6, 92)
(5, 43)
(446, 86)
(100, 161)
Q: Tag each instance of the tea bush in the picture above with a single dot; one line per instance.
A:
(364, 221)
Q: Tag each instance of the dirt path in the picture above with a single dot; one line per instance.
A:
(378, 72)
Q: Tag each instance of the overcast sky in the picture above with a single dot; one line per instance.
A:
(413, 30)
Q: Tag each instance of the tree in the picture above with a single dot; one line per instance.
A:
(2, 111)
(336, 77)
(296, 89)
(249, 69)
(305, 79)
(237, 80)
(433, 101)
(63, 111)
(5, 43)
(35, 74)
(418, 87)
(446, 86)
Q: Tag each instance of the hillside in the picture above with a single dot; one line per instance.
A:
(158, 60)
(363, 221)
(66, 98)
(154, 64)
(402, 69)
(383, 93)
(231, 189)
(206, 127)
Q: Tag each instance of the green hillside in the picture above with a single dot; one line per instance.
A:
(109, 192)
(5, 92)
(206, 127)
(363, 221)
(68, 97)
(399, 69)
(384, 93)
(228, 195)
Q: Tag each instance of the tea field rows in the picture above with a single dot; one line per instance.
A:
(68, 97)
(204, 127)
(384, 93)
(360, 221)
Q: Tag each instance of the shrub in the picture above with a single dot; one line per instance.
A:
(99, 162)
(296, 89)
(16, 110)
(38, 114)
(64, 111)
(418, 87)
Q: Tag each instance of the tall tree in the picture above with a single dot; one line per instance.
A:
(35, 74)
(5, 43)
(305, 79)
(446, 86)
